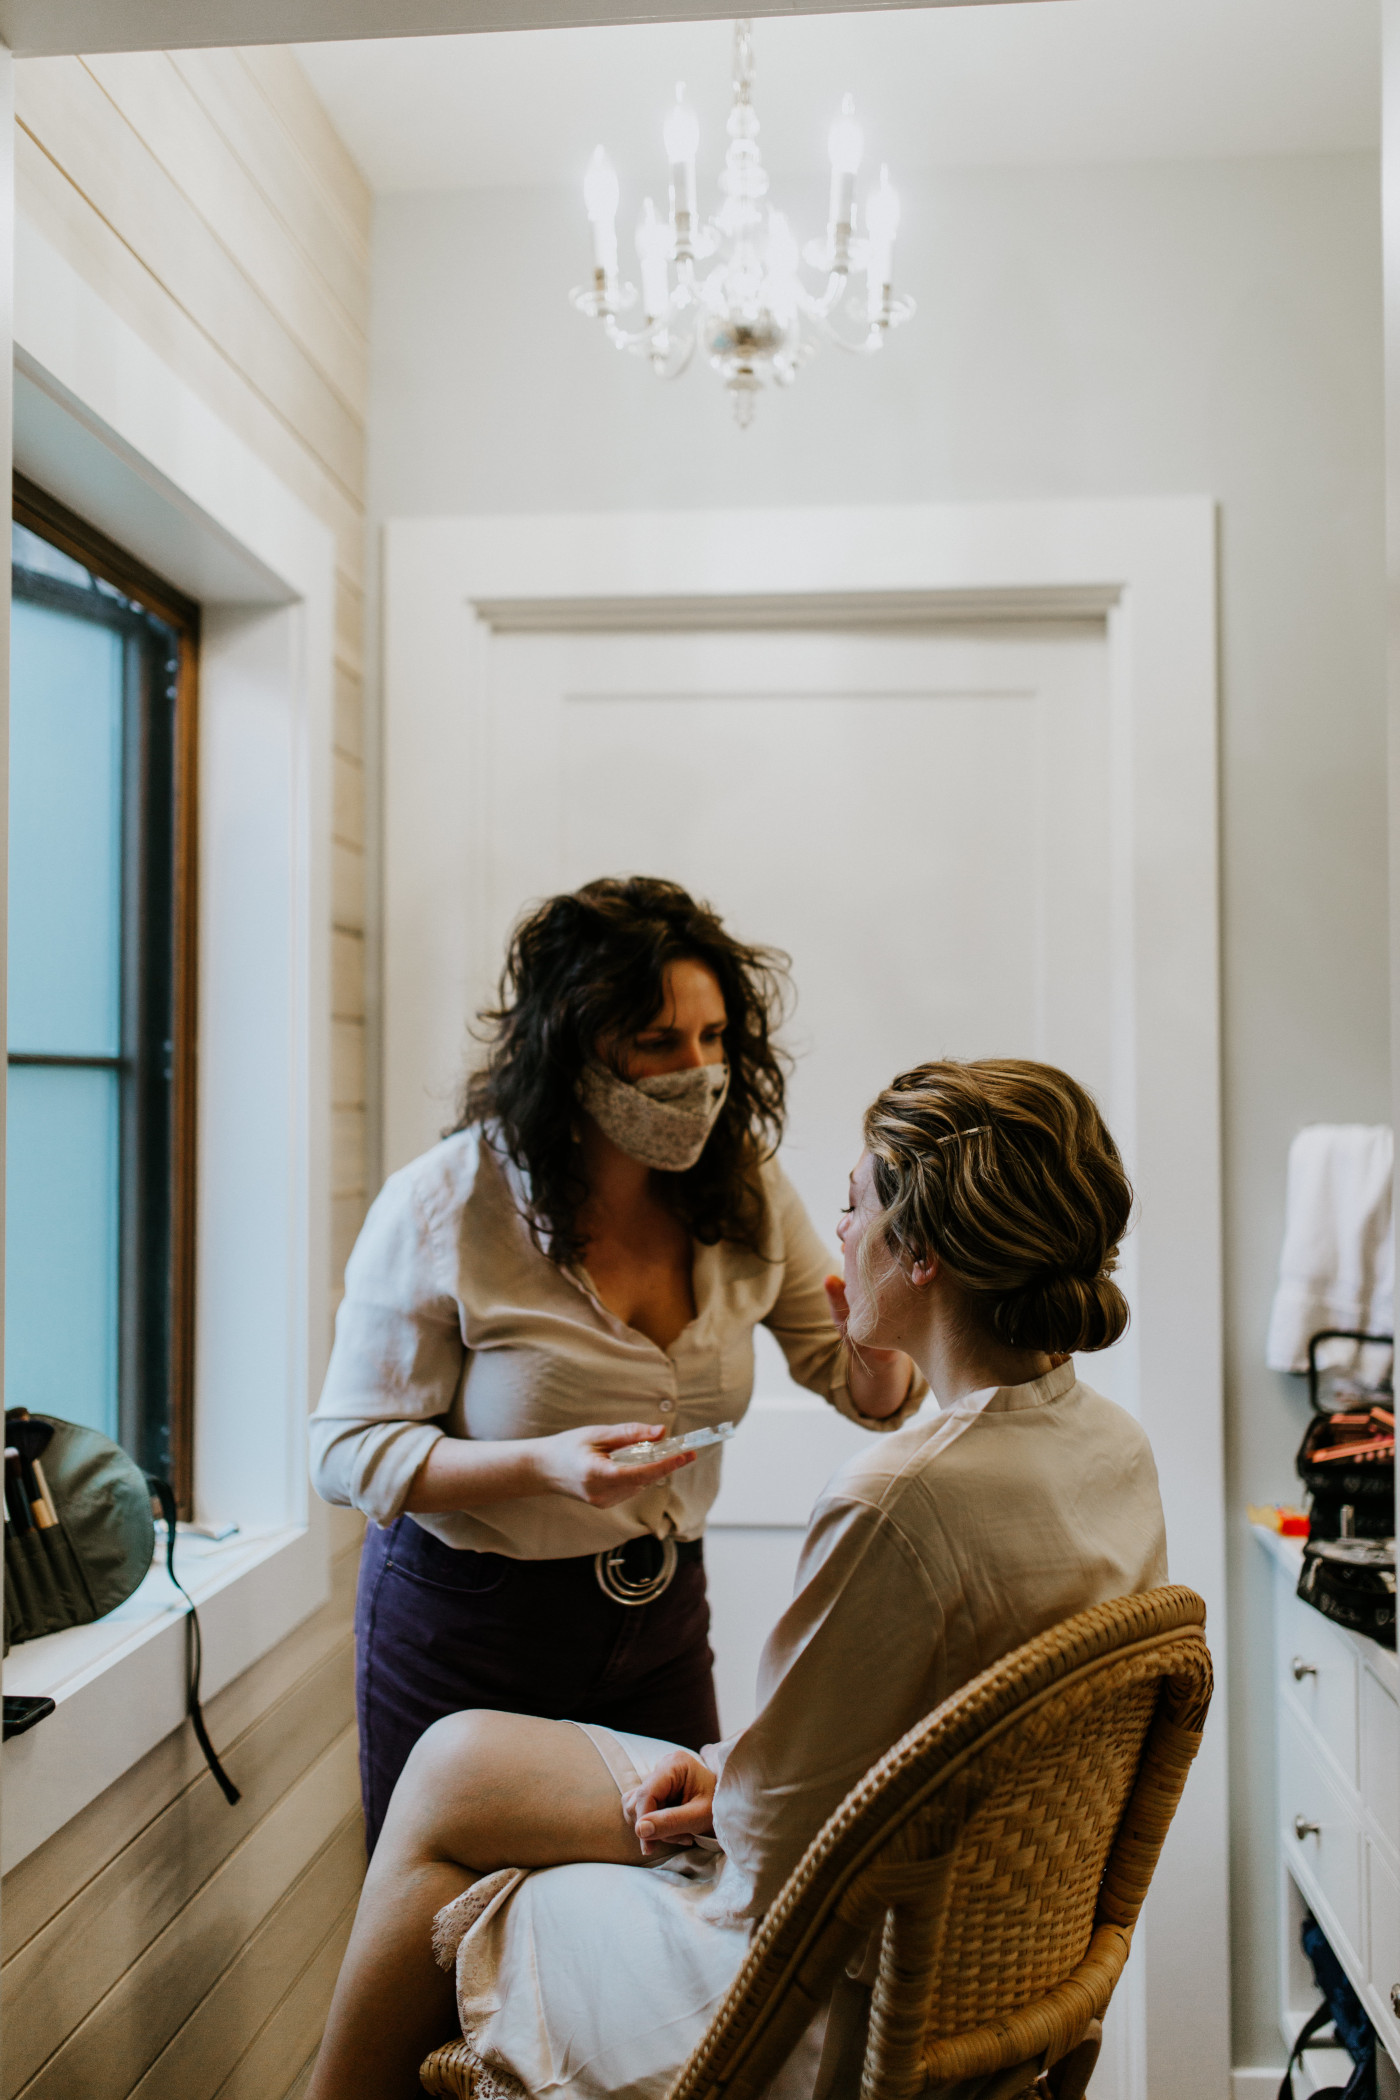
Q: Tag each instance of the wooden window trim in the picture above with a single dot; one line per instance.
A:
(51, 520)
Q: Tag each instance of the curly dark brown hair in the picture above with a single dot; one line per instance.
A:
(589, 967)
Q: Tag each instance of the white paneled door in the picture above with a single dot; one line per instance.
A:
(917, 818)
(960, 762)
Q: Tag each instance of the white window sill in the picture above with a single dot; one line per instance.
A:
(119, 1683)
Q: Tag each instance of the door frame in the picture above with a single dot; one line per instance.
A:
(1149, 569)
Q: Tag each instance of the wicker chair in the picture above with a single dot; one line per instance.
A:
(1001, 1852)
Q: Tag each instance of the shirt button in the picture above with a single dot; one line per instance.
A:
(667, 1406)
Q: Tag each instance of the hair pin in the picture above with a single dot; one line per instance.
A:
(963, 1133)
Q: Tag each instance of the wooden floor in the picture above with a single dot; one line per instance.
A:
(165, 1946)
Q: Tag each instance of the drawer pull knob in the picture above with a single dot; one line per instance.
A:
(1302, 1828)
(1302, 1669)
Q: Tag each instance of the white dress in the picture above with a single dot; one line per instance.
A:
(929, 1556)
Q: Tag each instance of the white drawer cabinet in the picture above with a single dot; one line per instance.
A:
(1380, 1755)
(1321, 1835)
(1338, 1800)
(1383, 1918)
(1317, 1670)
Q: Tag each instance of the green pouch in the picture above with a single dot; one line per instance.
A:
(103, 1544)
(100, 1550)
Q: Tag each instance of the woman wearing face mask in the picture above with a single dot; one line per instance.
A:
(579, 1266)
(982, 1236)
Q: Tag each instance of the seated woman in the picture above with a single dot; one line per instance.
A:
(981, 1237)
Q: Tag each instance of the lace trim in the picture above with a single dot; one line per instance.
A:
(489, 2081)
(456, 1919)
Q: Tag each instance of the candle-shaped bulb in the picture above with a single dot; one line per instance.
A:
(600, 194)
(881, 225)
(600, 189)
(846, 144)
(882, 212)
(846, 140)
(681, 130)
(653, 250)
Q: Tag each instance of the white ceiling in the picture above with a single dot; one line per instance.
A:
(1040, 81)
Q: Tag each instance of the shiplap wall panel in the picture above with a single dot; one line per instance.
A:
(349, 714)
(348, 800)
(97, 1919)
(347, 1064)
(64, 1970)
(333, 241)
(228, 2023)
(349, 624)
(105, 2056)
(295, 2027)
(290, 96)
(164, 114)
(119, 275)
(348, 902)
(298, 2091)
(123, 181)
(347, 975)
(164, 1944)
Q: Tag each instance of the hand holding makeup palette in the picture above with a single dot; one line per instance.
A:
(667, 1446)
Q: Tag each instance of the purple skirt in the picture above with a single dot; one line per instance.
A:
(438, 1629)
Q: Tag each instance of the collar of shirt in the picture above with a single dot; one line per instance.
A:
(1009, 1399)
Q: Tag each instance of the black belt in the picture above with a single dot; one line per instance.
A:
(642, 1569)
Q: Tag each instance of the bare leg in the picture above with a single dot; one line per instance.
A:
(481, 1791)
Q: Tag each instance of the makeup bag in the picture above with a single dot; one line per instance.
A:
(66, 1572)
(1352, 1582)
(80, 1538)
(1346, 1460)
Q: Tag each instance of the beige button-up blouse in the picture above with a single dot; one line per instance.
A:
(928, 1558)
(453, 1323)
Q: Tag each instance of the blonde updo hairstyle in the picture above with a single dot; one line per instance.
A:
(1005, 1171)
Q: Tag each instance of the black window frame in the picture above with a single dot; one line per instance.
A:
(157, 1061)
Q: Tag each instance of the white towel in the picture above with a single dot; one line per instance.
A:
(1338, 1263)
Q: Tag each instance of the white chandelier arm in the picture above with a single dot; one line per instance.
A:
(600, 301)
(896, 312)
(817, 305)
(661, 335)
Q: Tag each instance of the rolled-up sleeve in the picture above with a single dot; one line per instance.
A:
(800, 1317)
(397, 1362)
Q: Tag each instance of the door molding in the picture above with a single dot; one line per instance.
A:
(1148, 571)
(828, 612)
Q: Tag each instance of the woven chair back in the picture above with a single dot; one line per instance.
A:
(990, 1868)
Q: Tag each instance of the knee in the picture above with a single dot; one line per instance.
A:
(453, 1744)
(426, 1800)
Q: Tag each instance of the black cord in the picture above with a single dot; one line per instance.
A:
(165, 1496)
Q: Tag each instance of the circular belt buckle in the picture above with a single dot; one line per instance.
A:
(608, 1566)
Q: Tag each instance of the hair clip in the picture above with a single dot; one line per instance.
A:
(963, 1133)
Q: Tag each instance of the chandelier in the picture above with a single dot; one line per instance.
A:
(733, 284)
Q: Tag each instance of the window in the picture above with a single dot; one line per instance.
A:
(99, 1129)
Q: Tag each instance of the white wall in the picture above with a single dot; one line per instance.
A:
(1211, 328)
